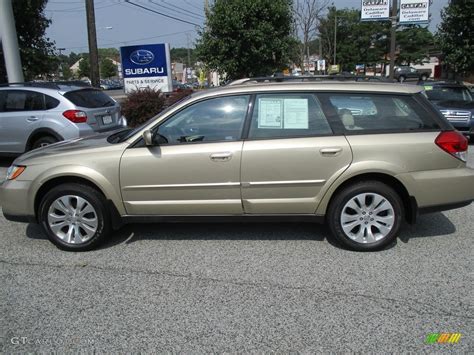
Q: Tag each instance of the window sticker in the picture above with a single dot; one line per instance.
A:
(428, 87)
(296, 113)
(270, 112)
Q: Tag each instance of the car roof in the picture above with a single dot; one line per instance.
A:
(371, 87)
(62, 87)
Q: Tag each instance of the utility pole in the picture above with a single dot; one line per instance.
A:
(9, 40)
(335, 34)
(93, 51)
(393, 37)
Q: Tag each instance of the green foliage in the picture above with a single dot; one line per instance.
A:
(456, 35)
(84, 67)
(245, 38)
(180, 55)
(413, 43)
(112, 53)
(36, 50)
(107, 68)
(357, 42)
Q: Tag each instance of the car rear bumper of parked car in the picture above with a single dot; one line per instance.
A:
(440, 189)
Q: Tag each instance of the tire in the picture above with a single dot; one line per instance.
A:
(401, 79)
(423, 77)
(389, 216)
(78, 233)
(44, 141)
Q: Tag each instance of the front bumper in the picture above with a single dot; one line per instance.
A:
(14, 200)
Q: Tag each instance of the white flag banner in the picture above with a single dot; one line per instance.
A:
(373, 10)
(414, 11)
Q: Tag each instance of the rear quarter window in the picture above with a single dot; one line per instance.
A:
(357, 113)
(89, 98)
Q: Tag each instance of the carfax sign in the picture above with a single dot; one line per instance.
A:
(373, 10)
(146, 66)
(414, 11)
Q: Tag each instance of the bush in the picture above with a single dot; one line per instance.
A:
(141, 105)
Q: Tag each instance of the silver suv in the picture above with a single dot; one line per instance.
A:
(33, 115)
(361, 157)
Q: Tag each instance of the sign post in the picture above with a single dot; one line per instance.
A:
(146, 66)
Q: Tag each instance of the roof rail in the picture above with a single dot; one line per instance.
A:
(311, 78)
(48, 84)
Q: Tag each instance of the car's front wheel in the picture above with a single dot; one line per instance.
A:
(365, 216)
(74, 217)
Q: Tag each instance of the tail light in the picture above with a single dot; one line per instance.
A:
(453, 143)
(75, 116)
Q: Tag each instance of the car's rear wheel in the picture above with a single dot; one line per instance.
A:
(365, 216)
(401, 79)
(424, 77)
(44, 141)
(74, 217)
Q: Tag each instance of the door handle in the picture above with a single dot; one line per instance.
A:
(32, 119)
(330, 152)
(226, 156)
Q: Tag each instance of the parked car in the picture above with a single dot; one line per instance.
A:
(267, 152)
(455, 102)
(33, 115)
(405, 72)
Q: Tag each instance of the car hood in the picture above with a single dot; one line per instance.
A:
(455, 104)
(78, 146)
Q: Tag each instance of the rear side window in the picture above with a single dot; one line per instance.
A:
(50, 102)
(375, 112)
(21, 100)
(287, 115)
(89, 98)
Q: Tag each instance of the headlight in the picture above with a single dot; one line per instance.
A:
(14, 171)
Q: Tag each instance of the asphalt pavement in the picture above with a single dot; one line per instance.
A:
(202, 288)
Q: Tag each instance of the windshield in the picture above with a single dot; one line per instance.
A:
(122, 136)
(448, 93)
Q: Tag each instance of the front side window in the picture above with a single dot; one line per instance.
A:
(21, 100)
(214, 120)
(287, 115)
(374, 112)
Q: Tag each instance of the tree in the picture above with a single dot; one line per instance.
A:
(307, 15)
(107, 68)
(36, 50)
(84, 67)
(356, 42)
(455, 35)
(245, 38)
(413, 43)
(180, 55)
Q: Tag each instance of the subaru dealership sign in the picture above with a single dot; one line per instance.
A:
(146, 66)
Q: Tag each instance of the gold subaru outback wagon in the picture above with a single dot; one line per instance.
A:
(362, 157)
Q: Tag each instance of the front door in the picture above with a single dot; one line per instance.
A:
(21, 112)
(290, 155)
(195, 166)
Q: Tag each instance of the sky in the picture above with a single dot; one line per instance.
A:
(119, 23)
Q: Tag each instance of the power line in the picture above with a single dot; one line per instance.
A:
(178, 11)
(160, 13)
(176, 6)
(135, 40)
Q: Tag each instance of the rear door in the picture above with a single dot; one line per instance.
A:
(103, 113)
(21, 112)
(290, 154)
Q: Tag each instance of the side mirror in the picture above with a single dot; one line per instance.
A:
(148, 138)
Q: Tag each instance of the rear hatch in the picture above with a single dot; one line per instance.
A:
(103, 113)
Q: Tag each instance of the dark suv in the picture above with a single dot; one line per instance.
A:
(455, 102)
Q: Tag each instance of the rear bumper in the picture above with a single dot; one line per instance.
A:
(439, 190)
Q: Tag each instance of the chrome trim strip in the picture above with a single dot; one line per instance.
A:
(174, 186)
(287, 182)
